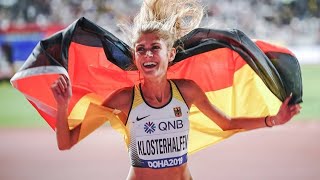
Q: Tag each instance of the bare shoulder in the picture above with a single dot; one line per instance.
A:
(186, 85)
(188, 89)
(120, 99)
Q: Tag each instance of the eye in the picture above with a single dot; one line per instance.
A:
(140, 50)
(155, 48)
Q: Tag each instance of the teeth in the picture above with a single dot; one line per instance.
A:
(149, 63)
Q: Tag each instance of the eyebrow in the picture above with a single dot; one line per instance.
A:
(156, 43)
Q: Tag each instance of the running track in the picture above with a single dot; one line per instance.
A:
(290, 152)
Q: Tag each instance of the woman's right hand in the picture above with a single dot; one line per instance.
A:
(62, 91)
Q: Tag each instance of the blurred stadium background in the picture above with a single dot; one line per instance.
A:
(291, 23)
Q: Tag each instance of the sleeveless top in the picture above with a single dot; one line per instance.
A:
(158, 135)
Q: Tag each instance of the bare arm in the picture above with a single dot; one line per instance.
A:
(120, 100)
(194, 95)
(61, 90)
(285, 114)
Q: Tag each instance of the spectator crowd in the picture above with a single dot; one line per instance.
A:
(284, 21)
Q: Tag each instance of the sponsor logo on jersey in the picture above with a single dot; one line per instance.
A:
(149, 127)
(170, 125)
(139, 119)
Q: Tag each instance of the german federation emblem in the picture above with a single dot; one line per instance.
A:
(177, 111)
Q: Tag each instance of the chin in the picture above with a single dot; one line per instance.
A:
(152, 74)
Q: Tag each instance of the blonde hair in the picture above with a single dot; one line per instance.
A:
(169, 19)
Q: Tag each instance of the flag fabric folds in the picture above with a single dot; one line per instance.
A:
(240, 76)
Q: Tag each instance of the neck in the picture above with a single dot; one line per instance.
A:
(157, 89)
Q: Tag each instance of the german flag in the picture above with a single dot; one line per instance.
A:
(241, 77)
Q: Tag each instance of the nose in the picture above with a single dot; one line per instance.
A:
(149, 53)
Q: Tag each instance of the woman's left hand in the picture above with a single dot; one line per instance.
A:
(286, 111)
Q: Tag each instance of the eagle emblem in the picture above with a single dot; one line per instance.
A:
(177, 111)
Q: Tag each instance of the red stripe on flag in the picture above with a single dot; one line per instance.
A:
(267, 47)
(213, 70)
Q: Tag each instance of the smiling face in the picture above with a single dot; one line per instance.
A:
(152, 55)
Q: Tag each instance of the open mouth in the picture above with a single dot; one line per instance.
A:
(149, 64)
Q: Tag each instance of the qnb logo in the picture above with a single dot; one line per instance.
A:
(170, 125)
(149, 127)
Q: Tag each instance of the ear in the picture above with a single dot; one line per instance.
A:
(172, 54)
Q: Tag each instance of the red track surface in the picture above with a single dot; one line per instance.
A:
(289, 152)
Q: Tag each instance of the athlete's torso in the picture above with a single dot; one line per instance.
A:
(158, 136)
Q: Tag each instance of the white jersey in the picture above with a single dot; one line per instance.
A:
(158, 135)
